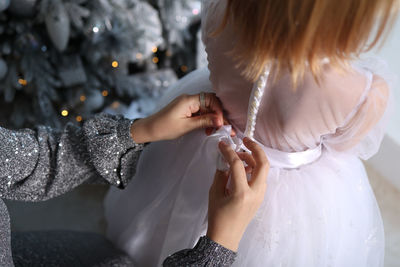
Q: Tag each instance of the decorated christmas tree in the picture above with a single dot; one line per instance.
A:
(64, 60)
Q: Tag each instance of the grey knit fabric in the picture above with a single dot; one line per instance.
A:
(5, 237)
(65, 249)
(206, 253)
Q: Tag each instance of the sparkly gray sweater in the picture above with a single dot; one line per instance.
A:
(40, 164)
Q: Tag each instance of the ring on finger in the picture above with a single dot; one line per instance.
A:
(202, 97)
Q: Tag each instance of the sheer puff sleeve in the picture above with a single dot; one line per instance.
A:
(364, 128)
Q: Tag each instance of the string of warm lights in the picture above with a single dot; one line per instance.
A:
(82, 98)
(64, 113)
(184, 68)
(115, 64)
(139, 56)
(149, 54)
(23, 82)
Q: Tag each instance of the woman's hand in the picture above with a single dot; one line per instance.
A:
(230, 211)
(178, 118)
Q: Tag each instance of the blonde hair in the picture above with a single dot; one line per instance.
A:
(296, 33)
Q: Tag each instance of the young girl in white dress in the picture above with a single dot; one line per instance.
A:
(286, 76)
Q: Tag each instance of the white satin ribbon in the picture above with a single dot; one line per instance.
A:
(277, 158)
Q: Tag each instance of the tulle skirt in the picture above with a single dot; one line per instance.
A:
(323, 213)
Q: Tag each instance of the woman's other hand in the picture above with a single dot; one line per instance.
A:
(230, 211)
(179, 117)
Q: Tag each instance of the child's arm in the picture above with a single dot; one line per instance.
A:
(367, 115)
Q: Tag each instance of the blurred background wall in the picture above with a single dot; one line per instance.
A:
(391, 53)
(384, 168)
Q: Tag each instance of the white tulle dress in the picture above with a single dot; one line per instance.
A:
(319, 209)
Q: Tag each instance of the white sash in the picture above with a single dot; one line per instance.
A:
(277, 158)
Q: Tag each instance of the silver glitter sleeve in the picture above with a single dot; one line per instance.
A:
(206, 253)
(39, 164)
(5, 237)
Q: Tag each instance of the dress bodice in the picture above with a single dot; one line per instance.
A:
(339, 110)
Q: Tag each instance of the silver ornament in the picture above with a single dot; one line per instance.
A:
(24, 8)
(4, 4)
(57, 24)
(3, 69)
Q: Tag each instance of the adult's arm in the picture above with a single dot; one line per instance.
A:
(38, 164)
(41, 163)
(235, 208)
(206, 253)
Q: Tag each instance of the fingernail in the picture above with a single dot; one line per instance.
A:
(246, 139)
(216, 122)
(222, 143)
